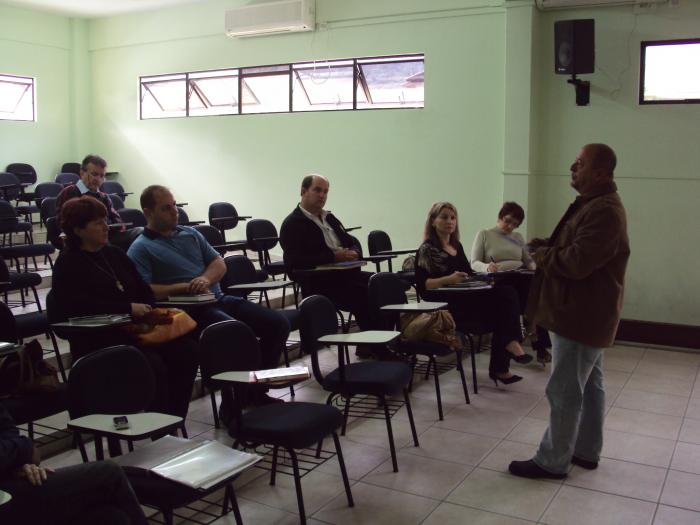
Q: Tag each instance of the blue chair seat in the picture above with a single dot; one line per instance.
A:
(24, 280)
(373, 378)
(291, 425)
(31, 324)
(26, 250)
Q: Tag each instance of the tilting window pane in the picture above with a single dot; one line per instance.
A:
(266, 93)
(16, 98)
(392, 84)
(163, 96)
(323, 86)
(671, 73)
(214, 93)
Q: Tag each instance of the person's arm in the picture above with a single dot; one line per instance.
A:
(479, 262)
(595, 242)
(15, 450)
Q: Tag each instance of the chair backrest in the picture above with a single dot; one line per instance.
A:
(211, 234)
(182, 216)
(66, 178)
(112, 186)
(71, 167)
(47, 189)
(256, 229)
(117, 201)
(223, 215)
(24, 172)
(114, 380)
(53, 232)
(378, 241)
(7, 210)
(8, 325)
(13, 189)
(386, 288)
(47, 208)
(134, 216)
(317, 317)
(356, 241)
(239, 270)
(228, 346)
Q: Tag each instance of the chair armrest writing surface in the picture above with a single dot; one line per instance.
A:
(4, 497)
(244, 217)
(423, 306)
(183, 305)
(463, 289)
(249, 378)
(368, 337)
(378, 257)
(191, 223)
(112, 174)
(353, 228)
(266, 239)
(221, 219)
(254, 287)
(142, 425)
(397, 252)
(116, 225)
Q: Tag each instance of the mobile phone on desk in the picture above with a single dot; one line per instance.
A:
(121, 422)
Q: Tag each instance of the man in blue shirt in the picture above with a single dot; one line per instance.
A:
(177, 260)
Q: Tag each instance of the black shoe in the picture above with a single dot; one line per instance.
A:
(530, 469)
(590, 465)
(506, 381)
(522, 359)
(543, 356)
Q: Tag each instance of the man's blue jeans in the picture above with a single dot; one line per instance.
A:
(577, 406)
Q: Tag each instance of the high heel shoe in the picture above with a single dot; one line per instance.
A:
(523, 359)
(543, 356)
(506, 381)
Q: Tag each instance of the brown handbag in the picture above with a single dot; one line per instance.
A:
(161, 325)
(436, 327)
(26, 372)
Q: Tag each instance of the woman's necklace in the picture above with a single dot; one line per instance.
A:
(109, 271)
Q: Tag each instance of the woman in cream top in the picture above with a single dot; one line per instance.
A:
(500, 248)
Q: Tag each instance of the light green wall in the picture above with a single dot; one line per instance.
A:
(39, 45)
(658, 157)
(385, 166)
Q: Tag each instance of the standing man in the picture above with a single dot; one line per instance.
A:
(93, 170)
(311, 236)
(577, 296)
(177, 260)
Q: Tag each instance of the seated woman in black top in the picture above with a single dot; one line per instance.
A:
(441, 261)
(92, 277)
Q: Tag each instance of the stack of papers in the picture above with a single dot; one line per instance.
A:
(100, 320)
(193, 298)
(281, 374)
(199, 465)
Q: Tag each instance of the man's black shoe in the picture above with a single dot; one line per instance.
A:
(584, 463)
(530, 469)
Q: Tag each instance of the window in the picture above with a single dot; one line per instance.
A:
(670, 72)
(347, 84)
(17, 98)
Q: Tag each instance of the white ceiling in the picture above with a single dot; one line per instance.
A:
(93, 8)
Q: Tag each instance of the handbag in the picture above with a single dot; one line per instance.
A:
(26, 372)
(160, 325)
(435, 327)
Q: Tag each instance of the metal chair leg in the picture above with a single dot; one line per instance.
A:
(297, 483)
(389, 431)
(407, 400)
(343, 472)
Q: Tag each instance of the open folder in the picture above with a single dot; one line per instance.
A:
(197, 464)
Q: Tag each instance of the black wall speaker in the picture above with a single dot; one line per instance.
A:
(574, 46)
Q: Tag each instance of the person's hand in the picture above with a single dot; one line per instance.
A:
(537, 243)
(34, 474)
(199, 285)
(492, 268)
(456, 277)
(139, 310)
(344, 254)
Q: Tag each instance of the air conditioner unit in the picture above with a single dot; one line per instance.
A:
(285, 16)
(569, 4)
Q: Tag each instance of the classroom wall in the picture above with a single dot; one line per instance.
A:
(658, 157)
(41, 45)
(385, 166)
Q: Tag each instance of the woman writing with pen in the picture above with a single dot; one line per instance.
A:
(440, 262)
(502, 249)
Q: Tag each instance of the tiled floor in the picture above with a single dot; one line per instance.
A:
(649, 473)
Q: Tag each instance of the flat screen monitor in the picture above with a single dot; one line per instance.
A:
(670, 72)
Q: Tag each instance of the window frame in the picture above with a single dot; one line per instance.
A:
(644, 44)
(292, 69)
(30, 86)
